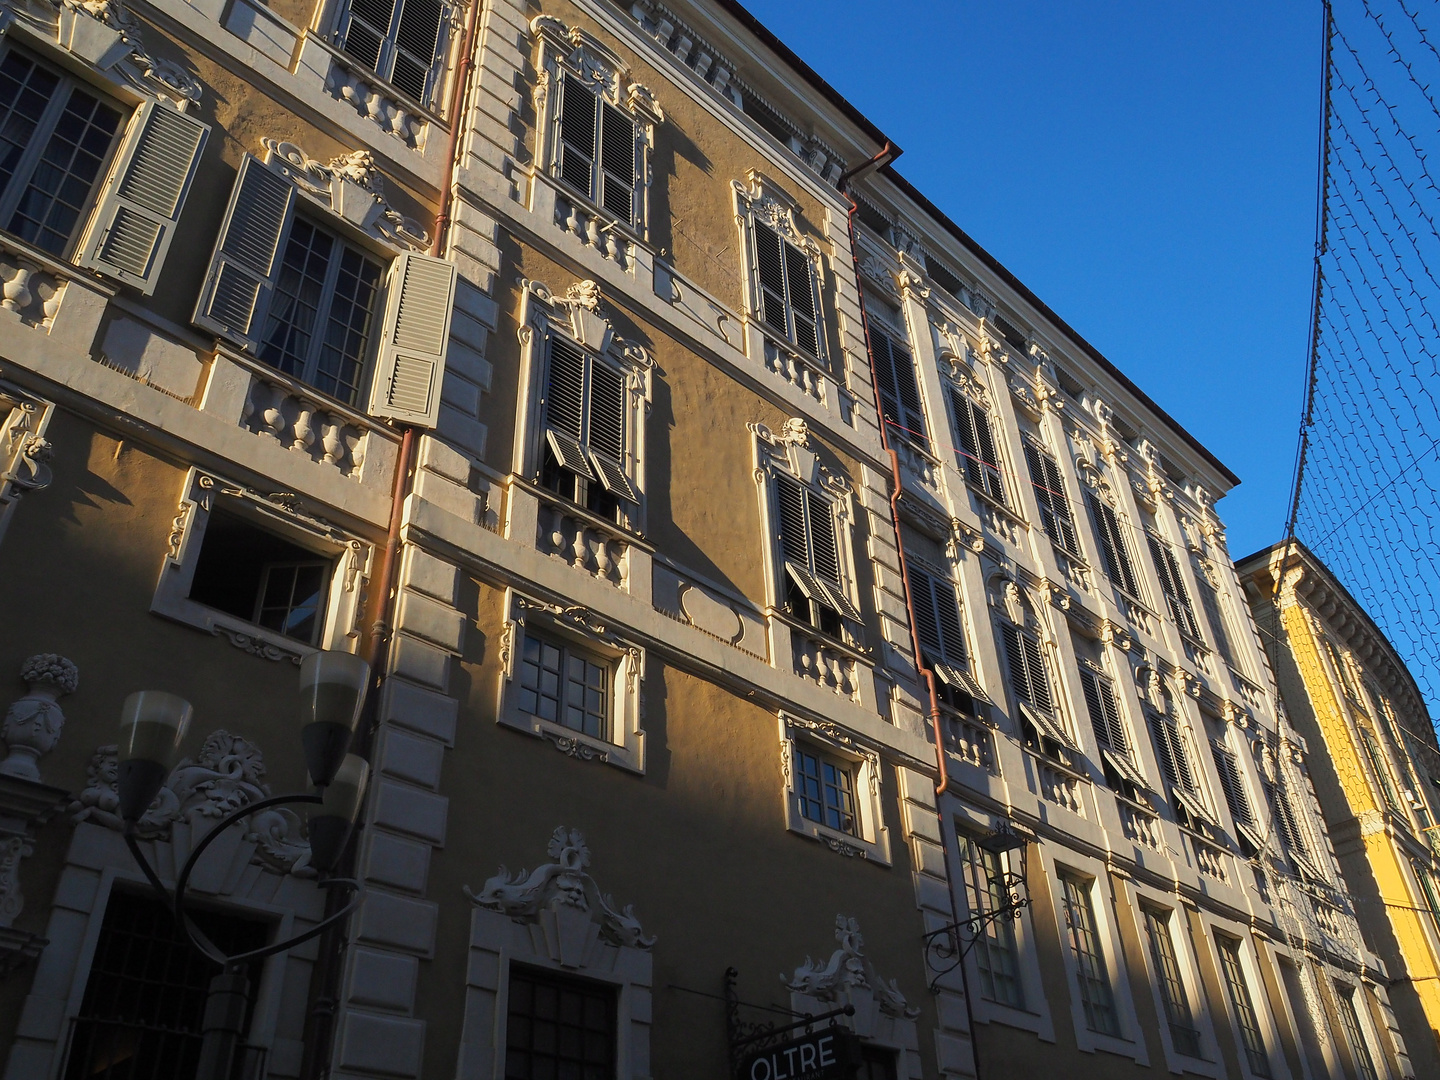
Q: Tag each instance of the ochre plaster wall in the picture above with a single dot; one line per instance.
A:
(698, 844)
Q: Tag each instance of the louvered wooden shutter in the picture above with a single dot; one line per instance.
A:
(367, 29)
(1035, 663)
(417, 45)
(247, 254)
(823, 547)
(1232, 785)
(617, 163)
(577, 136)
(565, 406)
(605, 433)
(1210, 601)
(135, 219)
(1164, 749)
(988, 456)
(1104, 712)
(1015, 661)
(884, 363)
(770, 266)
(1050, 494)
(800, 290)
(927, 626)
(952, 627)
(965, 431)
(899, 391)
(1113, 551)
(1173, 585)
(794, 537)
(414, 340)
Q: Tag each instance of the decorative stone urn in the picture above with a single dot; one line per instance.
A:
(32, 723)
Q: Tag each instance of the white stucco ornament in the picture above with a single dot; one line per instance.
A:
(849, 978)
(33, 723)
(562, 891)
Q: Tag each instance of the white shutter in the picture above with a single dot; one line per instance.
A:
(415, 337)
(247, 254)
(134, 222)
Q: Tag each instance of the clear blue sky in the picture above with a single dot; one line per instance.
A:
(1148, 169)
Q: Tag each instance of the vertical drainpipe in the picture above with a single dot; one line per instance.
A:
(888, 153)
(329, 963)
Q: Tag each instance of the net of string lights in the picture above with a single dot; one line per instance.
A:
(1368, 461)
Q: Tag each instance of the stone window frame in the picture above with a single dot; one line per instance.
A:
(790, 452)
(830, 740)
(761, 199)
(344, 609)
(24, 449)
(1138, 897)
(1260, 999)
(577, 317)
(625, 749)
(562, 50)
(1072, 863)
(1036, 1016)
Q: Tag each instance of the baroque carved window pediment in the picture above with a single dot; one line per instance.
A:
(762, 199)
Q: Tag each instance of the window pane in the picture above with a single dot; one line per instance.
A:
(1183, 1033)
(299, 292)
(995, 952)
(25, 89)
(50, 207)
(347, 330)
(558, 1027)
(1250, 1036)
(1090, 970)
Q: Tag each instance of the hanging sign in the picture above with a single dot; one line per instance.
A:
(829, 1053)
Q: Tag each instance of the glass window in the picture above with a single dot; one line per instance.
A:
(877, 1063)
(559, 1027)
(262, 578)
(1250, 1035)
(145, 996)
(1096, 995)
(318, 327)
(1350, 1021)
(56, 137)
(1184, 1035)
(564, 687)
(826, 787)
(995, 952)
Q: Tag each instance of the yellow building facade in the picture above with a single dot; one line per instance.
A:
(1374, 762)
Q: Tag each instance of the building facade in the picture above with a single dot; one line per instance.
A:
(745, 553)
(1374, 760)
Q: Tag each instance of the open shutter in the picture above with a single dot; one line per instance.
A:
(1232, 785)
(1015, 661)
(1104, 712)
(883, 360)
(617, 163)
(366, 29)
(952, 630)
(415, 338)
(825, 553)
(800, 291)
(565, 406)
(135, 220)
(927, 626)
(794, 537)
(577, 136)
(771, 268)
(606, 431)
(1035, 663)
(247, 254)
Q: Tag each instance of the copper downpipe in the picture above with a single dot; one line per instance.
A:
(325, 979)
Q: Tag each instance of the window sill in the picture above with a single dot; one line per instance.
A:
(574, 743)
(255, 640)
(626, 229)
(295, 388)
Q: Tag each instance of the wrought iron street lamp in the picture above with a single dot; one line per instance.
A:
(153, 725)
(945, 948)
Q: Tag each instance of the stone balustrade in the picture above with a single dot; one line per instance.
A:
(28, 289)
(1062, 789)
(584, 544)
(1140, 827)
(917, 468)
(1210, 861)
(971, 741)
(821, 662)
(366, 96)
(794, 370)
(594, 231)
(278, 410)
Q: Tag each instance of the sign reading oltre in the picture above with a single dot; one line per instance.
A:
(831, 1053)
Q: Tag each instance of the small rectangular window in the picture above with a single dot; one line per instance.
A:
(1172, 584)
(1239, 990)
(1114, 552)
(563, 686)
(1096, 995)
(980, 461)
(826, 788)
(559, 1026)
(254, 575)
(899, 391)
(1049, 488)
(1184, 1035)
(56, 137)
(996, 953)
(788, 288)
